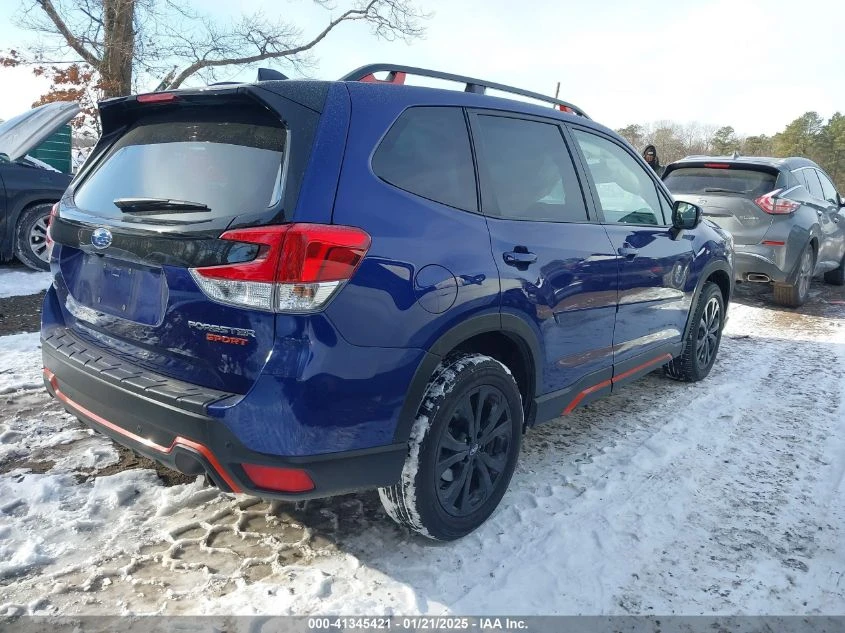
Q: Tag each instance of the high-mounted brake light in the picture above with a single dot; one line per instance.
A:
(299, 267)
(770, 203)
(564, 108)
(717, 165)
(156, 97)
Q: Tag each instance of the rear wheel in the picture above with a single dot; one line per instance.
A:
(463, 449)
(702, 343)
(836, 277)
(31, 236)
(795, 294)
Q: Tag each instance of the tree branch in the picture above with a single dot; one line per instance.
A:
(349, 15)
(72, 41)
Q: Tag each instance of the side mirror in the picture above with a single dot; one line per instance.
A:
(841, 200)
(4, 158)
(685, 215)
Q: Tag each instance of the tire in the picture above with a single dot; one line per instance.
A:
(31, 236)
(702, 343)
(795, 294)
(454, 502)
(836, 277)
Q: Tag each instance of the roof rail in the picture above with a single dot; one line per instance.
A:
(397, 74)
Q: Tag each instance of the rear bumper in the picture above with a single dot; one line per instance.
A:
(167, 422)
(759, 260)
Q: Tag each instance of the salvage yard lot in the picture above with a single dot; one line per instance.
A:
(725, 496)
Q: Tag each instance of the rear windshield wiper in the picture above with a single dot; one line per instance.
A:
(719, 190)
(157, 205)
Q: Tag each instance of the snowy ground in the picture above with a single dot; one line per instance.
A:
(18, 280)
(722, 497)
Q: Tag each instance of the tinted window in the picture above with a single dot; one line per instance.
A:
(699, 180)
(827, 187)
(627, 193)
(813, 184)
(528, 172)
(427, 153)
(200, 155)
(666, 208)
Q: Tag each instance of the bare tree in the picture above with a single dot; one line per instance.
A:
(123, 40)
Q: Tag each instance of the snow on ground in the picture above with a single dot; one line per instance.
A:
(721, 497)
(15, 281)
(20, 362)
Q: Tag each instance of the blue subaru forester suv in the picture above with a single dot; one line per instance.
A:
(306, 288)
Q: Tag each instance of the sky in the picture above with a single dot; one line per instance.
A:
(753, 64)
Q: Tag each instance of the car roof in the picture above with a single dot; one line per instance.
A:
(312, 94)
(423, 95)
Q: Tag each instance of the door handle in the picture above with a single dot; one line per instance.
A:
(517, 258)
(627, 251)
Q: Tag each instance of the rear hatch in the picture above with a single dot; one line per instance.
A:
(169, 176)
(727, 193)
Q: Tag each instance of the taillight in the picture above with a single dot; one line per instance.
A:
(54, 213)
(770, 203)
(299, 267)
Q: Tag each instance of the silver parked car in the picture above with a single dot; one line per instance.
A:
(785, 216)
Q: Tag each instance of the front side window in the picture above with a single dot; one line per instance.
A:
(626, 192)
(527, 171)
(427, 153)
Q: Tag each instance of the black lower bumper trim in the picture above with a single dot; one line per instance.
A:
(191, 442)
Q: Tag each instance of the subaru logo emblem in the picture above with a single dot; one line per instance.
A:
(101, 238)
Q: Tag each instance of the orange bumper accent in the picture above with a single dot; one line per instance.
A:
(178, 441)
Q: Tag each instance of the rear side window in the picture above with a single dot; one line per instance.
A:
(427, 153)
(232, 163)
(527, 171)
(813, 184)
(747, 182)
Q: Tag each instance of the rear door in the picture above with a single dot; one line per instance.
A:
(555, 263)
(825, 201)
(655, 285)
(149, 212)
(726, 193)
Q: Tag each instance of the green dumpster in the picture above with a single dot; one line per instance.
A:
(55, 151)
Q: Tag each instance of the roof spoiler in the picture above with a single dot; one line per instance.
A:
(396, 75)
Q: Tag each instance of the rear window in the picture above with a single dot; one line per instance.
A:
(427, 153)
(748, 182)
(231, 161)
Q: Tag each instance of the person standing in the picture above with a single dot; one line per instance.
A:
(650, 156)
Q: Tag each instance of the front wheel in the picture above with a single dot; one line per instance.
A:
(463, 449)
(703, 339)
(836, 277)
